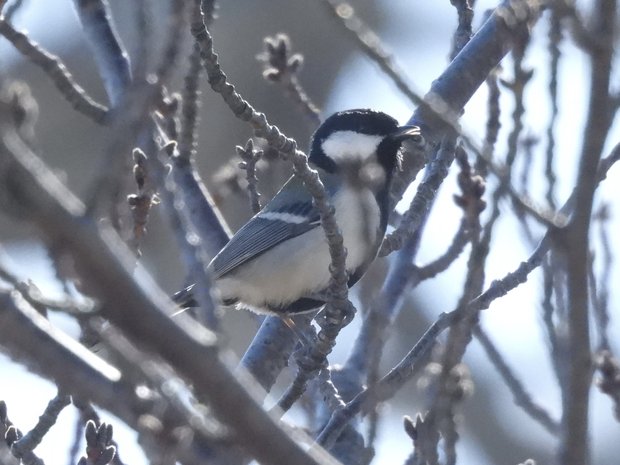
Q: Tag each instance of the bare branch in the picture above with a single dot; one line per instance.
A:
(609, 383)
(281, 67)
(23, 447)
(421, 203)
(190, 101)
(111, 58)
(574, 447)
(176, 24)
(464, 31)
(555, 37)
(250, 157)
(600, 291)
(371, 45)
(57, 71)
(521, 396)
(12, 9)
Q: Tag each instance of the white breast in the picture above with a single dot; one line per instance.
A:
(300, 266)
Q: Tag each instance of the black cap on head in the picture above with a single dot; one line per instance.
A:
(364, 121)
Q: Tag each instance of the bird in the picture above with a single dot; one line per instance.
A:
(278, 262)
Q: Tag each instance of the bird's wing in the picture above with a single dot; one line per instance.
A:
(285, 216)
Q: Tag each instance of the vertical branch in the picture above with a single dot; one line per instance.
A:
(144, 27)
(463, 32)
(141, 202)
(190, 104)
(450, 386)
(199, 206)
(176, 25)
(551, 276)
(493, 124)
(555, 36)
(575, 399)
(601, 293)
(249, 158)
(112, 60)
(196, 252)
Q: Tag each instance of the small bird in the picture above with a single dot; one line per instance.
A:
(278, 262)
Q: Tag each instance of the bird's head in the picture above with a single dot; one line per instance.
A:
(361, 144)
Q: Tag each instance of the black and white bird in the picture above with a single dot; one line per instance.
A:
(278, 262)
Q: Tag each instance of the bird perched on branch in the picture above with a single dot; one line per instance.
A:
(278, 262)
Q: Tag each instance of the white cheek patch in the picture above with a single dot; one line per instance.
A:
(286, 217)
(348, 145)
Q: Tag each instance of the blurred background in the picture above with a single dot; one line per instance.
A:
(337, 76)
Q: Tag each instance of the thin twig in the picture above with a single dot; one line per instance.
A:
(463, 31)
(442, 263)
(493, 124)
(57, 72)
(521, 396)
(190, 102)
(12, 9)
(141, 202)
(198, 204)
(131, 118)
(552, 274)
(437, 170)
(448, 387)
(407, 367)
(10, 435)
(363, 361)
(176, 25)
(205, 217)
(609, 383)
(23, 447)
(196, 252)
(144, 22)
(282, 67)
(601, 294)
(35, 297)
(249, 158)
(371, 45)
(555, 37)
(587, 39)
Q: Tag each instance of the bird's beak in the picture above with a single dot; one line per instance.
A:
(407, 132)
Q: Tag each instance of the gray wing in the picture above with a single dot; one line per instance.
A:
(253, 239)
(260, 234)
